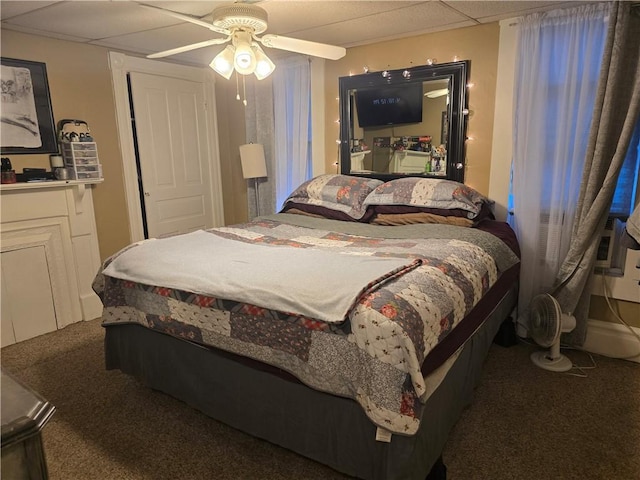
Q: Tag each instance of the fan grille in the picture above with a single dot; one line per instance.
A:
(545, 320)
(241, 15)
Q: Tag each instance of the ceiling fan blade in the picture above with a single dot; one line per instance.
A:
(187, 18)
(186, 48)
(303, 46)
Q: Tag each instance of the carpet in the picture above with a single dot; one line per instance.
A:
(524, 423)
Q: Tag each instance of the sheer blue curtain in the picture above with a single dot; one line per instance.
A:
(559, 57)
(292, 125)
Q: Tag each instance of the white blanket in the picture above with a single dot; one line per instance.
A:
(316, 283)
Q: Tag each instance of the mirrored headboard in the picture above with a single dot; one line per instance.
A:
(405, 122)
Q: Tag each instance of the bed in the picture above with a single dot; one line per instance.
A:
(351, 327)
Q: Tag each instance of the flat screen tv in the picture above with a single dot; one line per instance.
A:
(389, 104)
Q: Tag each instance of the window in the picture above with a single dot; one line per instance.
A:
(626, 189)
(612, 248)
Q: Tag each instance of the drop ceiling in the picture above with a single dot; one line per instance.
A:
(127, 27)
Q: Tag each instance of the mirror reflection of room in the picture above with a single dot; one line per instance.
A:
(400, 129)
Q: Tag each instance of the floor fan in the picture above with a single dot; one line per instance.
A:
(546, 323)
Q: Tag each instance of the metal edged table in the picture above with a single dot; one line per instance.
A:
(24, 415)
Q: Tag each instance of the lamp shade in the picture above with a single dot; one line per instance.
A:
(253, 162)
(264, 65)
(223, 62)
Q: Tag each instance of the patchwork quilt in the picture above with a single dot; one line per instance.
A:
(374, 355)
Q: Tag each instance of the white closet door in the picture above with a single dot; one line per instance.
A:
(174, 155)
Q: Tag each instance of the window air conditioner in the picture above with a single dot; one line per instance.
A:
(608, 242)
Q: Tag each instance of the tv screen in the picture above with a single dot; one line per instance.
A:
(389, 105)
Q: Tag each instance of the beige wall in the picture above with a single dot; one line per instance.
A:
(478, 44)
(80, 87)
(231, 134)
(628, 311)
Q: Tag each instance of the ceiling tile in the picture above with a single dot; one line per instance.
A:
(495, 9)
(409, 20)
(10, 9)
(197, 8)
(159, 39)
(93, 19)
(47, 34)
(286, 17)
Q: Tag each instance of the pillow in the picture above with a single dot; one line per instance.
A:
(486, 211)
(419, 217)
(441, 197)
(333, 196)
(321, 212)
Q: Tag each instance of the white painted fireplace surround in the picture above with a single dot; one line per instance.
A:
(49, 257)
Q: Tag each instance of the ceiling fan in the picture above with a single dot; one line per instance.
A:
(241, 23)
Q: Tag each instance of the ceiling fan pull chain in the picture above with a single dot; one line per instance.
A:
(237, 87)
(244, 91)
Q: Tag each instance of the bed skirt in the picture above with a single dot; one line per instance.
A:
(329, 429)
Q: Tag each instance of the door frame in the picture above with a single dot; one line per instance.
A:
(120, 65)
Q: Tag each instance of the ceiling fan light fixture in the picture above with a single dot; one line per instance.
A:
(264, 65)
(223, 62)
(244, 58)
(244, 61)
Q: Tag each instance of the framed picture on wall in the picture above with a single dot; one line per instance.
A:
(27, 124)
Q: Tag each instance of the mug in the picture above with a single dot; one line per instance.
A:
(61, 173)
(9, 176)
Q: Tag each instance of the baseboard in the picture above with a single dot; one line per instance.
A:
(612, 340)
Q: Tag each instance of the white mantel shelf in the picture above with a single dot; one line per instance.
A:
(80, 187)
(46, 184)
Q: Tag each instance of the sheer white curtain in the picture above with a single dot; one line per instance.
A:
(559, 56)
(278, 116)
(259, 129)
(292, 129)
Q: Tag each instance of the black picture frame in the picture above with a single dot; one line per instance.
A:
(44, 112)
